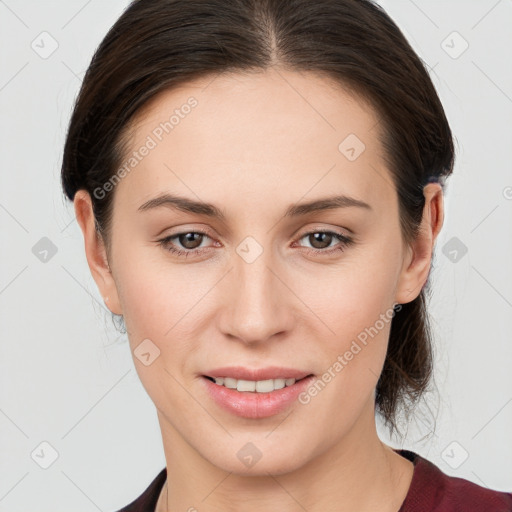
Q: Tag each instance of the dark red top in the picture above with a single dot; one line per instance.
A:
(431, 490)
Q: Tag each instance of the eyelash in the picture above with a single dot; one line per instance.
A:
(344, 243)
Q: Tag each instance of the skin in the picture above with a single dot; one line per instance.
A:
(253, 146)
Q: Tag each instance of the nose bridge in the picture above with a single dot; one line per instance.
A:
(252, 262)
(257, 302)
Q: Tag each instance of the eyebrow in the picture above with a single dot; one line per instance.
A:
(210, 210)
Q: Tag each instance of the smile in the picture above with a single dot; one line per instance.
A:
(254, 386)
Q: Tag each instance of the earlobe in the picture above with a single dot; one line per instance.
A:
(95, 251)
(416, 264)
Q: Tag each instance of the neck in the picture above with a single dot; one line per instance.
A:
(358, 472)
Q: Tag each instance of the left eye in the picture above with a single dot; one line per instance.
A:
(324, 239)
(189, 241)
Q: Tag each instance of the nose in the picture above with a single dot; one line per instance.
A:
(258, 305)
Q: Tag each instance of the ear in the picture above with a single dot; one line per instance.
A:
(417, 262)
(96, 252)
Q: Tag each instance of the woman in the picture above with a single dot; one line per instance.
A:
(259, 184)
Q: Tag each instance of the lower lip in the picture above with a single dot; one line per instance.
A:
(256, 405)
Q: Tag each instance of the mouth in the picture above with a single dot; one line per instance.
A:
(255, 399)
(254, 386)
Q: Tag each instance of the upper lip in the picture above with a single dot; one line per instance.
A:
(270, 372)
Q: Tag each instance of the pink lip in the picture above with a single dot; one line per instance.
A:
(271, 372)
(256, 405)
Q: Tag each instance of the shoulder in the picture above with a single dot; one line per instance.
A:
(432, 490)
(148, 499)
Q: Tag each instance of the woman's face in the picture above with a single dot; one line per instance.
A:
(262, 286)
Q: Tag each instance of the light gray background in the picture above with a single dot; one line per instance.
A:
(67, 377)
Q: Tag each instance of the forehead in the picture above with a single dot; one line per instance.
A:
(258, 133)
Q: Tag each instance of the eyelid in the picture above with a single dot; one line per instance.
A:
(326, 229)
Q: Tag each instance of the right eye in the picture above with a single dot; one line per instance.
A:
(185, 238)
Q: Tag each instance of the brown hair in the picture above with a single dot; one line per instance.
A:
(159, 44)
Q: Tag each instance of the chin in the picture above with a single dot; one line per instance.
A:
(259, 458)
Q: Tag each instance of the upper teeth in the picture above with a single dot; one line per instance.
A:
(259, 386)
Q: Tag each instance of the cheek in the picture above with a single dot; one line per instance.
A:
(163, 302)
(352, 295)
(358, 309)
(143, 302)
(355, 302)
(158, 306)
